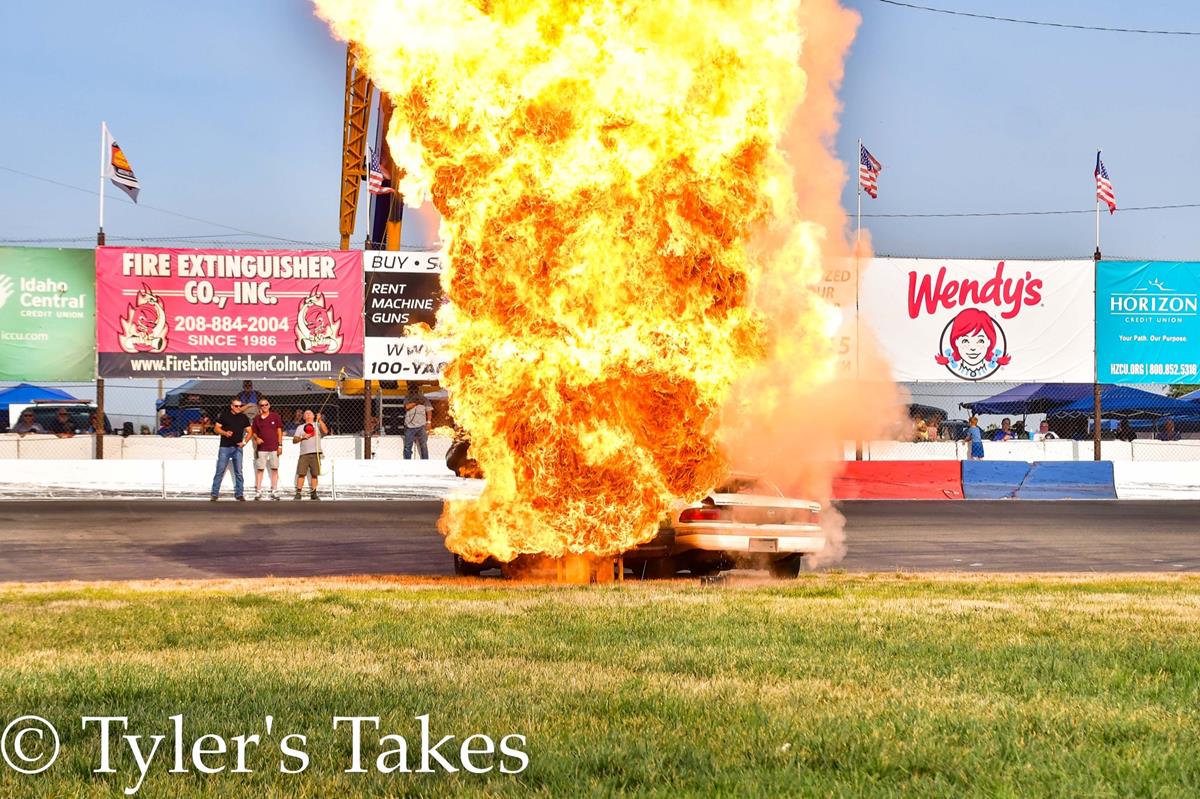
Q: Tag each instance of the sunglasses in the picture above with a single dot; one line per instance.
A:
(235, 405)
(264, 404)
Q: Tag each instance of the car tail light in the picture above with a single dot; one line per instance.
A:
(804, 516)
(704, 514)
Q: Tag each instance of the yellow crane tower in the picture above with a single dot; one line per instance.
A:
(355, 130)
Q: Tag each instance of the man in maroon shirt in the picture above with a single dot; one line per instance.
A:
(266, 429)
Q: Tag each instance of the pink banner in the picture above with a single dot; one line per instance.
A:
(228, 313)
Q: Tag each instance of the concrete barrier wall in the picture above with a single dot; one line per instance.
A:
(47, 447)
(899, 480)
(391, 478)
(1039, 480)
(175, 479)
(1161, 480)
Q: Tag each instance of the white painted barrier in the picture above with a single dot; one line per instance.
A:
(181, 479)
(1156, 480)
(83, 447)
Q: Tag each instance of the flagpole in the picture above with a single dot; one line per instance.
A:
(1097, 253)
(103, 137)
(858, 444)
(858, 215)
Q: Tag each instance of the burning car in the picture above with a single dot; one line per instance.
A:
(747, 521)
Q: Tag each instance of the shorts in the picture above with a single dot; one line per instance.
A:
(266, 459)
(310, 464)
(976, 449)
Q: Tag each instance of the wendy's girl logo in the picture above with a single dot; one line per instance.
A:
(973, 345)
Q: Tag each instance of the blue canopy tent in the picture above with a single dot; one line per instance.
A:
(1031, 398)
(1193, 396)
(25, 393)
(1125, 402)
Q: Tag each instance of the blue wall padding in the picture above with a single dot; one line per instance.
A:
(1069, 480)
(993, 479)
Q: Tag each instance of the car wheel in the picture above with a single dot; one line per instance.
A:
(465, 568)
(786, 568)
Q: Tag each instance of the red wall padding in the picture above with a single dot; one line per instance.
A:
(899, 480)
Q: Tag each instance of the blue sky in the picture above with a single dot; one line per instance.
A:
(232, 111)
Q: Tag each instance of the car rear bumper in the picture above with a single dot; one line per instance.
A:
(761, 538)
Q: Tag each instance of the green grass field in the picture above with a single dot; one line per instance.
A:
(831, 685)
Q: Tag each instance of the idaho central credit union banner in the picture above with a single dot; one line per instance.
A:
(1148, 322)
(217, 313)
(47, 314)
(999, 321)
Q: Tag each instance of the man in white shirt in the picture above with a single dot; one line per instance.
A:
(1044, 432)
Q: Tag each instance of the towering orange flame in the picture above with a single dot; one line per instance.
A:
(620, 217)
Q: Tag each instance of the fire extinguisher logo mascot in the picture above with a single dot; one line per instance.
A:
(317, 329)
(144, 325)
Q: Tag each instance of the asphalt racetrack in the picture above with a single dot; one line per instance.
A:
(146, 539)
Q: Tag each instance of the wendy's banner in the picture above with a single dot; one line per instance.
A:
(223, 313)
(999, 321)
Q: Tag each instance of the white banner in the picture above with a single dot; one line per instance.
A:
(403, 289)
(940, 320)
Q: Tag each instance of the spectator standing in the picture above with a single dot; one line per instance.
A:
(249, 398)
(62, 426)
(267, 430)
(296, 421)
(975, 436)
(1044, 432)
(1005, 433)
(1125, 431)
(308, 436)
(1168, 432)
(233, 427)
(418, 421)
(166, 429)
(27, 424)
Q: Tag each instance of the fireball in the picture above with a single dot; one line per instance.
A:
(603, 169)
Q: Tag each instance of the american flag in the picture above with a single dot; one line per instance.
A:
(868, 172)
(1104, 189)
(377, 176)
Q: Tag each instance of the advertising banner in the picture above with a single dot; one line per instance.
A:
(839, 287)
(1147, 327)
(403, 289)
(223, 313)
(999, 321)
(47, 314)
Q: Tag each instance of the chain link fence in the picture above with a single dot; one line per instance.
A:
(148, 420)
(1045, 421)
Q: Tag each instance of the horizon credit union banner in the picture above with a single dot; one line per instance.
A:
(47, 314)
(1148, 322)
(224, 313)
(941, 320)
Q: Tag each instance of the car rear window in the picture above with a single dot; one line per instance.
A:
(748, 485)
